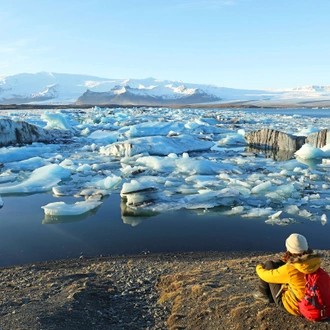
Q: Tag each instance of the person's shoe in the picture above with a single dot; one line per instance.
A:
(260, 296)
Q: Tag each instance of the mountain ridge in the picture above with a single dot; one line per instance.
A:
(64, 88)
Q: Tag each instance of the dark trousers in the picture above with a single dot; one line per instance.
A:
(272, 290)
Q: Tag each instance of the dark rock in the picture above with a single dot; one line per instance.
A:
(272, 139)
(20, 132)
(319, 139)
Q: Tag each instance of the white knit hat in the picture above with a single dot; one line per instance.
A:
(296, 243)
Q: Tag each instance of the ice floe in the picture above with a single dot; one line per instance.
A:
(63, 209)
(40, 180)
(163, 159)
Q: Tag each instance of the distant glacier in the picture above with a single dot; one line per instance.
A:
(74, 89)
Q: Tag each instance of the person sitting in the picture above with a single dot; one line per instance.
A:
(282, 281)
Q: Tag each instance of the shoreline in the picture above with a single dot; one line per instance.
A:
(230, 104)
(190, 290)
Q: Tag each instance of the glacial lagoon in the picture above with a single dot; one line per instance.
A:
(28, 235)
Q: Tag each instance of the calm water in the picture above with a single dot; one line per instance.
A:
(317, 113)
(27, 236)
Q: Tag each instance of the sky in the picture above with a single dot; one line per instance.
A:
(252, 44)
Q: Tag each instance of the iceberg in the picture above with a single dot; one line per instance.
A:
(258, 212)
(27, 164)
(16, 154)
(40, 180)
(307, 151)
(55, 121)
(153, 128)
(163, 159)
(261, 187)
(156, 145)
(63, 209)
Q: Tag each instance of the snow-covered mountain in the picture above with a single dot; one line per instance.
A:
(62, 88)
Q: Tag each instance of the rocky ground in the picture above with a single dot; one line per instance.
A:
(161, 291)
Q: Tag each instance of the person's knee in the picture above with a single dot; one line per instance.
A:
(270, 265)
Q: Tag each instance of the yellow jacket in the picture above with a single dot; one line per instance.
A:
(291, 276)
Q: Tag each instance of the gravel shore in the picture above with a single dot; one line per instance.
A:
(211, 290)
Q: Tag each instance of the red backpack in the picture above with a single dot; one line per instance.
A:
(315, 305)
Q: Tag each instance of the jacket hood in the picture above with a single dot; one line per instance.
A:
(307, 263)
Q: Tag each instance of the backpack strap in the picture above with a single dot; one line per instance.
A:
(294, 295)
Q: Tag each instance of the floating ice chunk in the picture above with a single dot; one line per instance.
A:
(187, 190)
(202, 179)
(292, 165)
(92, 193)
(258, 212)
(92, 148)
(63, 209)
(307, 151)
(85, 131)
(128, 170)
(110, 182)
(224, 176)
(69, 164)
(172, 183)
(306, 131)
(236, 182)
(324, 218)
(64, 191)
(40, 180)
(7, 176)
(84, 168)
(253, 177)
(200, 166)
(13, 154)
(137, 193)
(132, 186)
(261, 187)
(55, 120)
(192, 125)
(157, 145)
(105, 136)
(153, 128)
(27, 165)
(277, 182)
(280, 222)
(326, 150)
(275, 215)
(286, 190)
(325, 161)
(315, 177)
(233, 139)
(235, 210)
(160, 164)
(291, 209)
(305, 213)
(254, 201)
(209, 199)
(143, 197)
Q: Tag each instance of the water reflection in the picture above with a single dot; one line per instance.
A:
(278, 155)
(134, 217)
(311, 163)
(284, 155)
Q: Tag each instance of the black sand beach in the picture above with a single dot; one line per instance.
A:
(209, 290)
